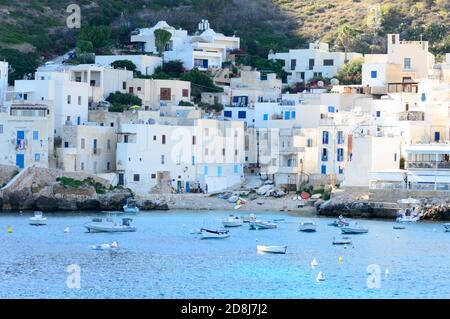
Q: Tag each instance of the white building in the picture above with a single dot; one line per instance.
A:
(204, 50)
(3, 82)
(316, 61)
(87, 148)
(208, 152)
(146, 64)
(26, 134)
(70, 98)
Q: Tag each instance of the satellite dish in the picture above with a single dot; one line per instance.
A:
(320, 84)
(334, 81)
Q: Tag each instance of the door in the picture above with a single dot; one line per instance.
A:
(178, 186)
(437, 136)
(165, 94)
(20, 160)
(311, 64)
(205, 64)
(120, 179)
(20, 143)
(188, 188)
(78, 120)
(323, 169)
(94, 146)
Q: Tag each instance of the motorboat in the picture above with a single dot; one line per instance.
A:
(403, 218)
(108, 225)
(447, 227)
(232, 221)
(355, 230)
(342, 241)
(409, 211)
(130, 206)
(340, 222)
(307, 226)
(249, 218)
(259, 224)
(214, 234)
(271, 249)
(38, 219)
(113, 245)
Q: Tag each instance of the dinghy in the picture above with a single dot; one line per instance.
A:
(214, 234)
(249, 218)
(271, 249)
(232, 221)
(342, 241)
(259, 224)
(355, 230)
(38, 219)
(307, 226)
(130, 206)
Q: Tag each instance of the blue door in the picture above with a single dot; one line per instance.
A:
(205, 64)
(188, 189)
(78, 120)
(324, 169)
(219, 171)
(20, 160)
(437, 136)
(20, 142)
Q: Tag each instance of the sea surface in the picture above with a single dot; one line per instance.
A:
(163, 260)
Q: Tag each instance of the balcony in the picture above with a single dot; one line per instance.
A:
(429, 164)
(411, 116)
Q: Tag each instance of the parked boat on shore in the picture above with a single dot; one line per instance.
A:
(108, 225)
(232, 221)
(271, 249)
(214, 234)
(307, 226)
(38, 219)
(259, 224)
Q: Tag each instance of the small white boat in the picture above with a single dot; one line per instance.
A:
(249, 218)
(407, 219)
(271, 249)
(307, 226)
(447, 227)
(237, 206)
(232, 221)
(98, 225)
(259, 224)
(38, 219)
(320, 277)
(67, 230)
(130, 207)
(355, 230)
(342, 241)
(214, 234)
(113, 245)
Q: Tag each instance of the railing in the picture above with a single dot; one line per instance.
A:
(429, 164)
(411, 116)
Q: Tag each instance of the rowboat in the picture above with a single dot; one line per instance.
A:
(271, 249)
(38, 219)
(354, 230)
(232, 221)
(259, 224)
(214, 234)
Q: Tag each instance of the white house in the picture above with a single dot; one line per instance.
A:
(3, 82)
(70, 98)
(146, 64)
(87, 148)
(316, 61)
(166, 157)
(203, 50)
(26, 134)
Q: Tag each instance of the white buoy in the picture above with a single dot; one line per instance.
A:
(114, 244)
(320, 277)
(67, 230)
(314, 263)
(345, 246)
(256, 239)
(386, 272)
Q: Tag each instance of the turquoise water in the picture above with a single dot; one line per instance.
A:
(163, 260)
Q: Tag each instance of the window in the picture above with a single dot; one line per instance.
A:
(66, 144)
(111, 124)
(287, 115)
(407, 63)
(309, 142)
(265, 117)
(341, 170)
(35, 135)
(68, 99)
(378, 113)
(223, 152)
(242, 114)
(153, 176)
(193, 160)
(139, 89)
(25, 96)
(185, 93)
(83, 143)
(236, 169)
(1, 128)
(154, 137)
(437, 136)
(194, 140)
(395, 157)
(331, 109)
(163, 139)
(163, 159)
(108, 166)
(37, 157)
(124, 85)
(227, 113)
(205, 170)
(373, 74)
(82, 166)
(325, 137)
(340, 154)
(108, 145)
(79, 100)
(136, 177)
(311, 64)
(423, 97)
(328, 62)
(293, 115)
(324, 155)
(340, 137)
(293, 64)
(219, 171)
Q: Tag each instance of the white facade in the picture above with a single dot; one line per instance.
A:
(316, 61)
(3, 82)
(207, 49)
(210, 152)
(87, 148)
(146, 64)
(26, 135)
(70, 98)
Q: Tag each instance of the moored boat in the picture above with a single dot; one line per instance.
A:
(214, 234)
(447, 227)
(259, 224)
(130, 206)
(249, 218)
(38, 219)
(355, 230)
(271, 249)
(232, 221)
(340, 222)
(342, 241)
(307, 226)
(398, 227)
(108, 225)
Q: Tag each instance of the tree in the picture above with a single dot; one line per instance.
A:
(161, 38)
(351, 72)
(97, 35)
(200, 82)
(174, 69)
(124, 64)
(84, 46)
(122, 101)
(346, 37)
(21, 63)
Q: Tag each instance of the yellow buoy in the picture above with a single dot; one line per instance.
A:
(340, 259)
(9, 230)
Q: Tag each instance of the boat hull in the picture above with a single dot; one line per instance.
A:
(271, 249)
(259, 226)
(308, 228)
(353, 231)
(231, 224)
(109, 229)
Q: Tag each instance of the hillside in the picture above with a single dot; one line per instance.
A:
(34, 30)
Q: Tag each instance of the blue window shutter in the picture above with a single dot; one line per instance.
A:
(228, 113)
(35, 135)
(293, 115)
(265, 117)
(235, 99)
(236, 169)
(219, 171)
(242, 114)
(373, 74)
(205, 170)
(287, 115)
(193, 160)
(323, 169)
